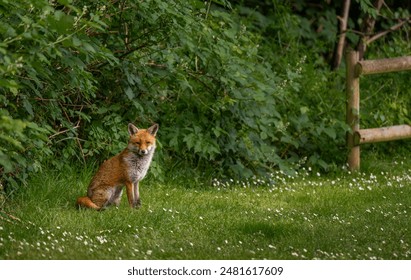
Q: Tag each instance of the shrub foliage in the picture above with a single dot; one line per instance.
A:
(232, 88)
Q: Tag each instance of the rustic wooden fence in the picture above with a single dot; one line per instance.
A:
(357, 136)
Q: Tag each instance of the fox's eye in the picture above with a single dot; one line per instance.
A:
(138, 142)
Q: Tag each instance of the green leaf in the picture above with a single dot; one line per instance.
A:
(330, 132)
(129, 92)
(102, 110)
(6, 163)
(76, 41)
(28, 107)
(88, 47)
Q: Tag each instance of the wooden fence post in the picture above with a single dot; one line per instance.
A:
(353, 109)
(357, 136)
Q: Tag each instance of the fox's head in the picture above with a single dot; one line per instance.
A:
(142, 141)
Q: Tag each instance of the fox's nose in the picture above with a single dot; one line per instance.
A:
(143, 152)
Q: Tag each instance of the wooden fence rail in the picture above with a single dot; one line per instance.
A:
(357, 136)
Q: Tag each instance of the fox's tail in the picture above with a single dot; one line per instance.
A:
(85, 201)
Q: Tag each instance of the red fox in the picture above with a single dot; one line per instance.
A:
(127, 168)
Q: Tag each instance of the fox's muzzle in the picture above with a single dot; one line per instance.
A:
(143, 152)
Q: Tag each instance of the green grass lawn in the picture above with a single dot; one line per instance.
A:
(310, 216)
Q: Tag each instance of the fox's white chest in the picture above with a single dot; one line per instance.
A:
(138, 166)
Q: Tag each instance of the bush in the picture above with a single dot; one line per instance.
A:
(44, 52)
(235, 91)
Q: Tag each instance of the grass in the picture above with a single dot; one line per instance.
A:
(310, 216)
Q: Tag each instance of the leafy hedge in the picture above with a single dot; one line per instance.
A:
(227, 96)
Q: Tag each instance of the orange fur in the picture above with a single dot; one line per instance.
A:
(127, 168)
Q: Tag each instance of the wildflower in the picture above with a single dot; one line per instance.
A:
(101, 239)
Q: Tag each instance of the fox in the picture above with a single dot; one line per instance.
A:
(127, 169)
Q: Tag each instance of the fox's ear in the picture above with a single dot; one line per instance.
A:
(132, 129)
(153, 129)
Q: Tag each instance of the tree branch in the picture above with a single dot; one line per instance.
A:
(64, 131)
(367, 28)
(385, 32)
(343, 28)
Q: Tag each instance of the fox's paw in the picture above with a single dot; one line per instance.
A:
(137, 204)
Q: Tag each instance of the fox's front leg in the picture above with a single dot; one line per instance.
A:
(137, 199)
(133, 194)
(130, 193)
